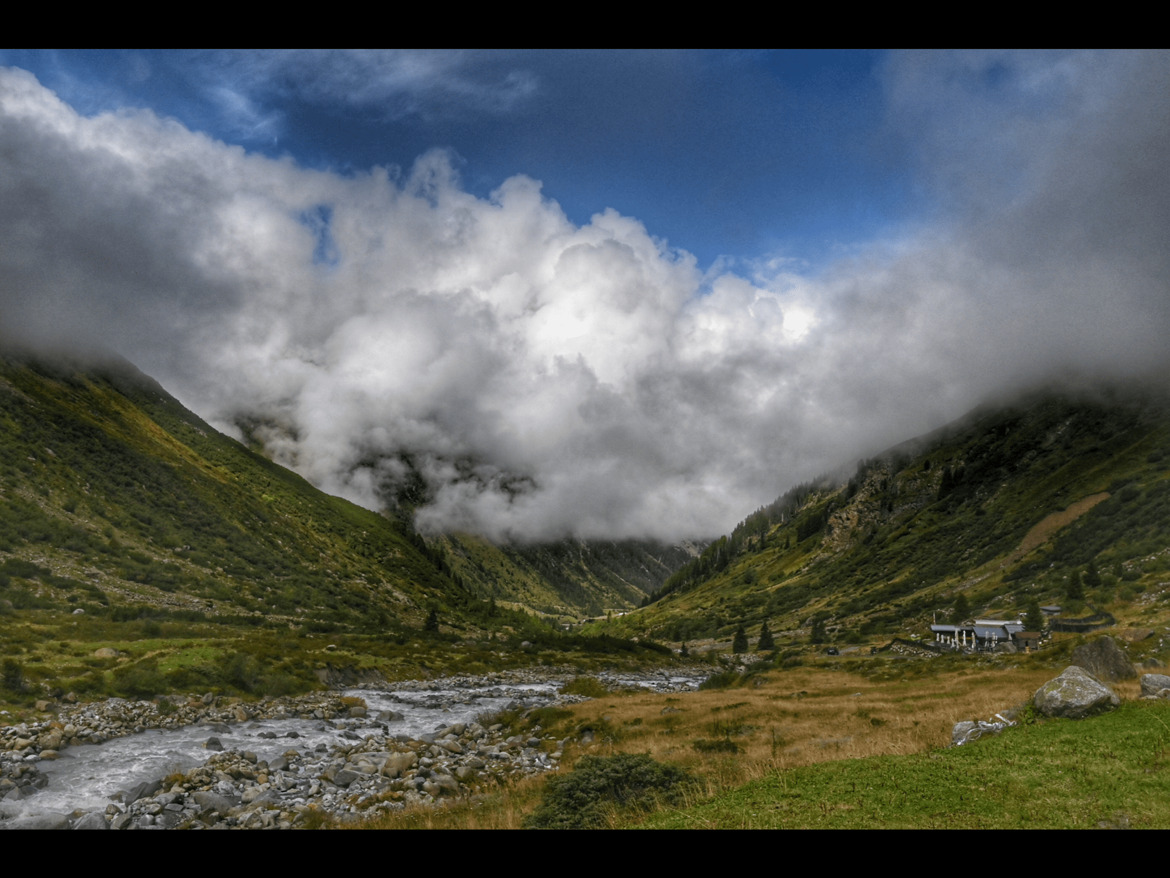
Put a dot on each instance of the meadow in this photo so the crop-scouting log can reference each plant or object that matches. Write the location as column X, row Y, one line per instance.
column 823, row 747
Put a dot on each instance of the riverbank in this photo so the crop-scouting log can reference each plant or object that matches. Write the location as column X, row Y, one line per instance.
column 369, row 767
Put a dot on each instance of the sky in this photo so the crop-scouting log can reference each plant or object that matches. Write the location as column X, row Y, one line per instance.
column 590, row 294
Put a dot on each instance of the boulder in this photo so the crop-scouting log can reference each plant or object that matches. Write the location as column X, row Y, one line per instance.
column 1104, row 659
column 1075, row 694
column 1155, row 686
column 92, row 820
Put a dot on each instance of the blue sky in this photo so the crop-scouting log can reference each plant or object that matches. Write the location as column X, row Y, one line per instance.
column 734, row 154
column 600, row 294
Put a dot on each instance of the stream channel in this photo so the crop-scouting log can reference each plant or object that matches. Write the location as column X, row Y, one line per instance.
column 87, row 778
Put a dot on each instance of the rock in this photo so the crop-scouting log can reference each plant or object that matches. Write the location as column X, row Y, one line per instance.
column 346, row 776
column 1104, row 659
column 1155, row 686
column 141, row 791
column 1134, row 635
column 120, row 821
column 212, row 801
column 39, row 821
column 1075, row 694
column 92, row 820
column 399, row 763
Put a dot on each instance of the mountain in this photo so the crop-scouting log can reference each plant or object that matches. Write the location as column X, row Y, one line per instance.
column 1028, row 499
column 564, row 579
column 114, row 495
column 142, row 551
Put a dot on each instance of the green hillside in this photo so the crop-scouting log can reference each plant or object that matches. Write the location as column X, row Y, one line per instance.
column 128, row 498
column 564, row 580
column 141, row 551
column 1058, row 497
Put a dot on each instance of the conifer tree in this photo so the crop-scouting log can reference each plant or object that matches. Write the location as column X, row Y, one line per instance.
column 740, row 642
column 766, row 639
column 818, row 635
column 1034, row 620
column 1092, row 577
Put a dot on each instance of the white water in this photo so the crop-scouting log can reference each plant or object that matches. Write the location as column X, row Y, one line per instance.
column 86, row 777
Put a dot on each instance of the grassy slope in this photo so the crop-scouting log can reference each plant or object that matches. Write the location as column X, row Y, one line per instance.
column 565, row 580
column 1108, row 771
column 881, row 554
column 128, row 524
column 109, row 480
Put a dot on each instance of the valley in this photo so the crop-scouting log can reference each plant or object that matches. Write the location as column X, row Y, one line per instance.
column 143, row 555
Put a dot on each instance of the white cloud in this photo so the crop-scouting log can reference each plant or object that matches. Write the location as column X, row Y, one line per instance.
column 548, row 378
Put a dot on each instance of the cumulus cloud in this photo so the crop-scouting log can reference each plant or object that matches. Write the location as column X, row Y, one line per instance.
column 546, row 378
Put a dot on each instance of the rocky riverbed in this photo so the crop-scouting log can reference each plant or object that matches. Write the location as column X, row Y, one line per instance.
column 287, row 762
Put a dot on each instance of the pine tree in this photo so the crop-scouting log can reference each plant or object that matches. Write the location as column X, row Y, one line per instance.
column 1034, row 620
column 1075, row 591
column 740, row 642
column 1092, row 577
column 432, row 623
column 766, row 639
column 818, row 635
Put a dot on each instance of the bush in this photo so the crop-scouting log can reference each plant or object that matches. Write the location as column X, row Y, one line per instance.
column 590, row 687
column 721, row 680
column 602, row 784
column 12, row 676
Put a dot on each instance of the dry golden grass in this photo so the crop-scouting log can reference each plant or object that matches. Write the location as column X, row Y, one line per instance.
column 500, row 809
column 806, row 715
column 780, row 720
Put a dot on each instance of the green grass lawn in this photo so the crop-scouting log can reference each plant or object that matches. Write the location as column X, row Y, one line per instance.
column 1109, row 771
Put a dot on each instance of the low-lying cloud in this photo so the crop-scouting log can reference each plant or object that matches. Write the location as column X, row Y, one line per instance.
column 547, row 378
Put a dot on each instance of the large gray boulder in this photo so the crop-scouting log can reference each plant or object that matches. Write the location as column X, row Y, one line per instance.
column 1104, row 659
column 1155, row 686
column 1075, row 694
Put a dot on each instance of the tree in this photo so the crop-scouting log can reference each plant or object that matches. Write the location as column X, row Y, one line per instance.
column 1075, row 591
column 1034, row 620
column 432, row 623
column 740, row 642
column 818, row 635
column 766, row 639
column 1092, row 577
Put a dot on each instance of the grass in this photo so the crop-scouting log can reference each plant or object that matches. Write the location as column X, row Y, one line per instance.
column 1110, row 771
column 776, row 748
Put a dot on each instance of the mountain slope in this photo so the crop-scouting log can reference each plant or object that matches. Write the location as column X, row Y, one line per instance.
column 1002, row 506
column 125, row 497
column 565, row 579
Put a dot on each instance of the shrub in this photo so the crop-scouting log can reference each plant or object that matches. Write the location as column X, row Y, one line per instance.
column 12, row 675
column 721, row 680
column 590, row 687
column 601, row 784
